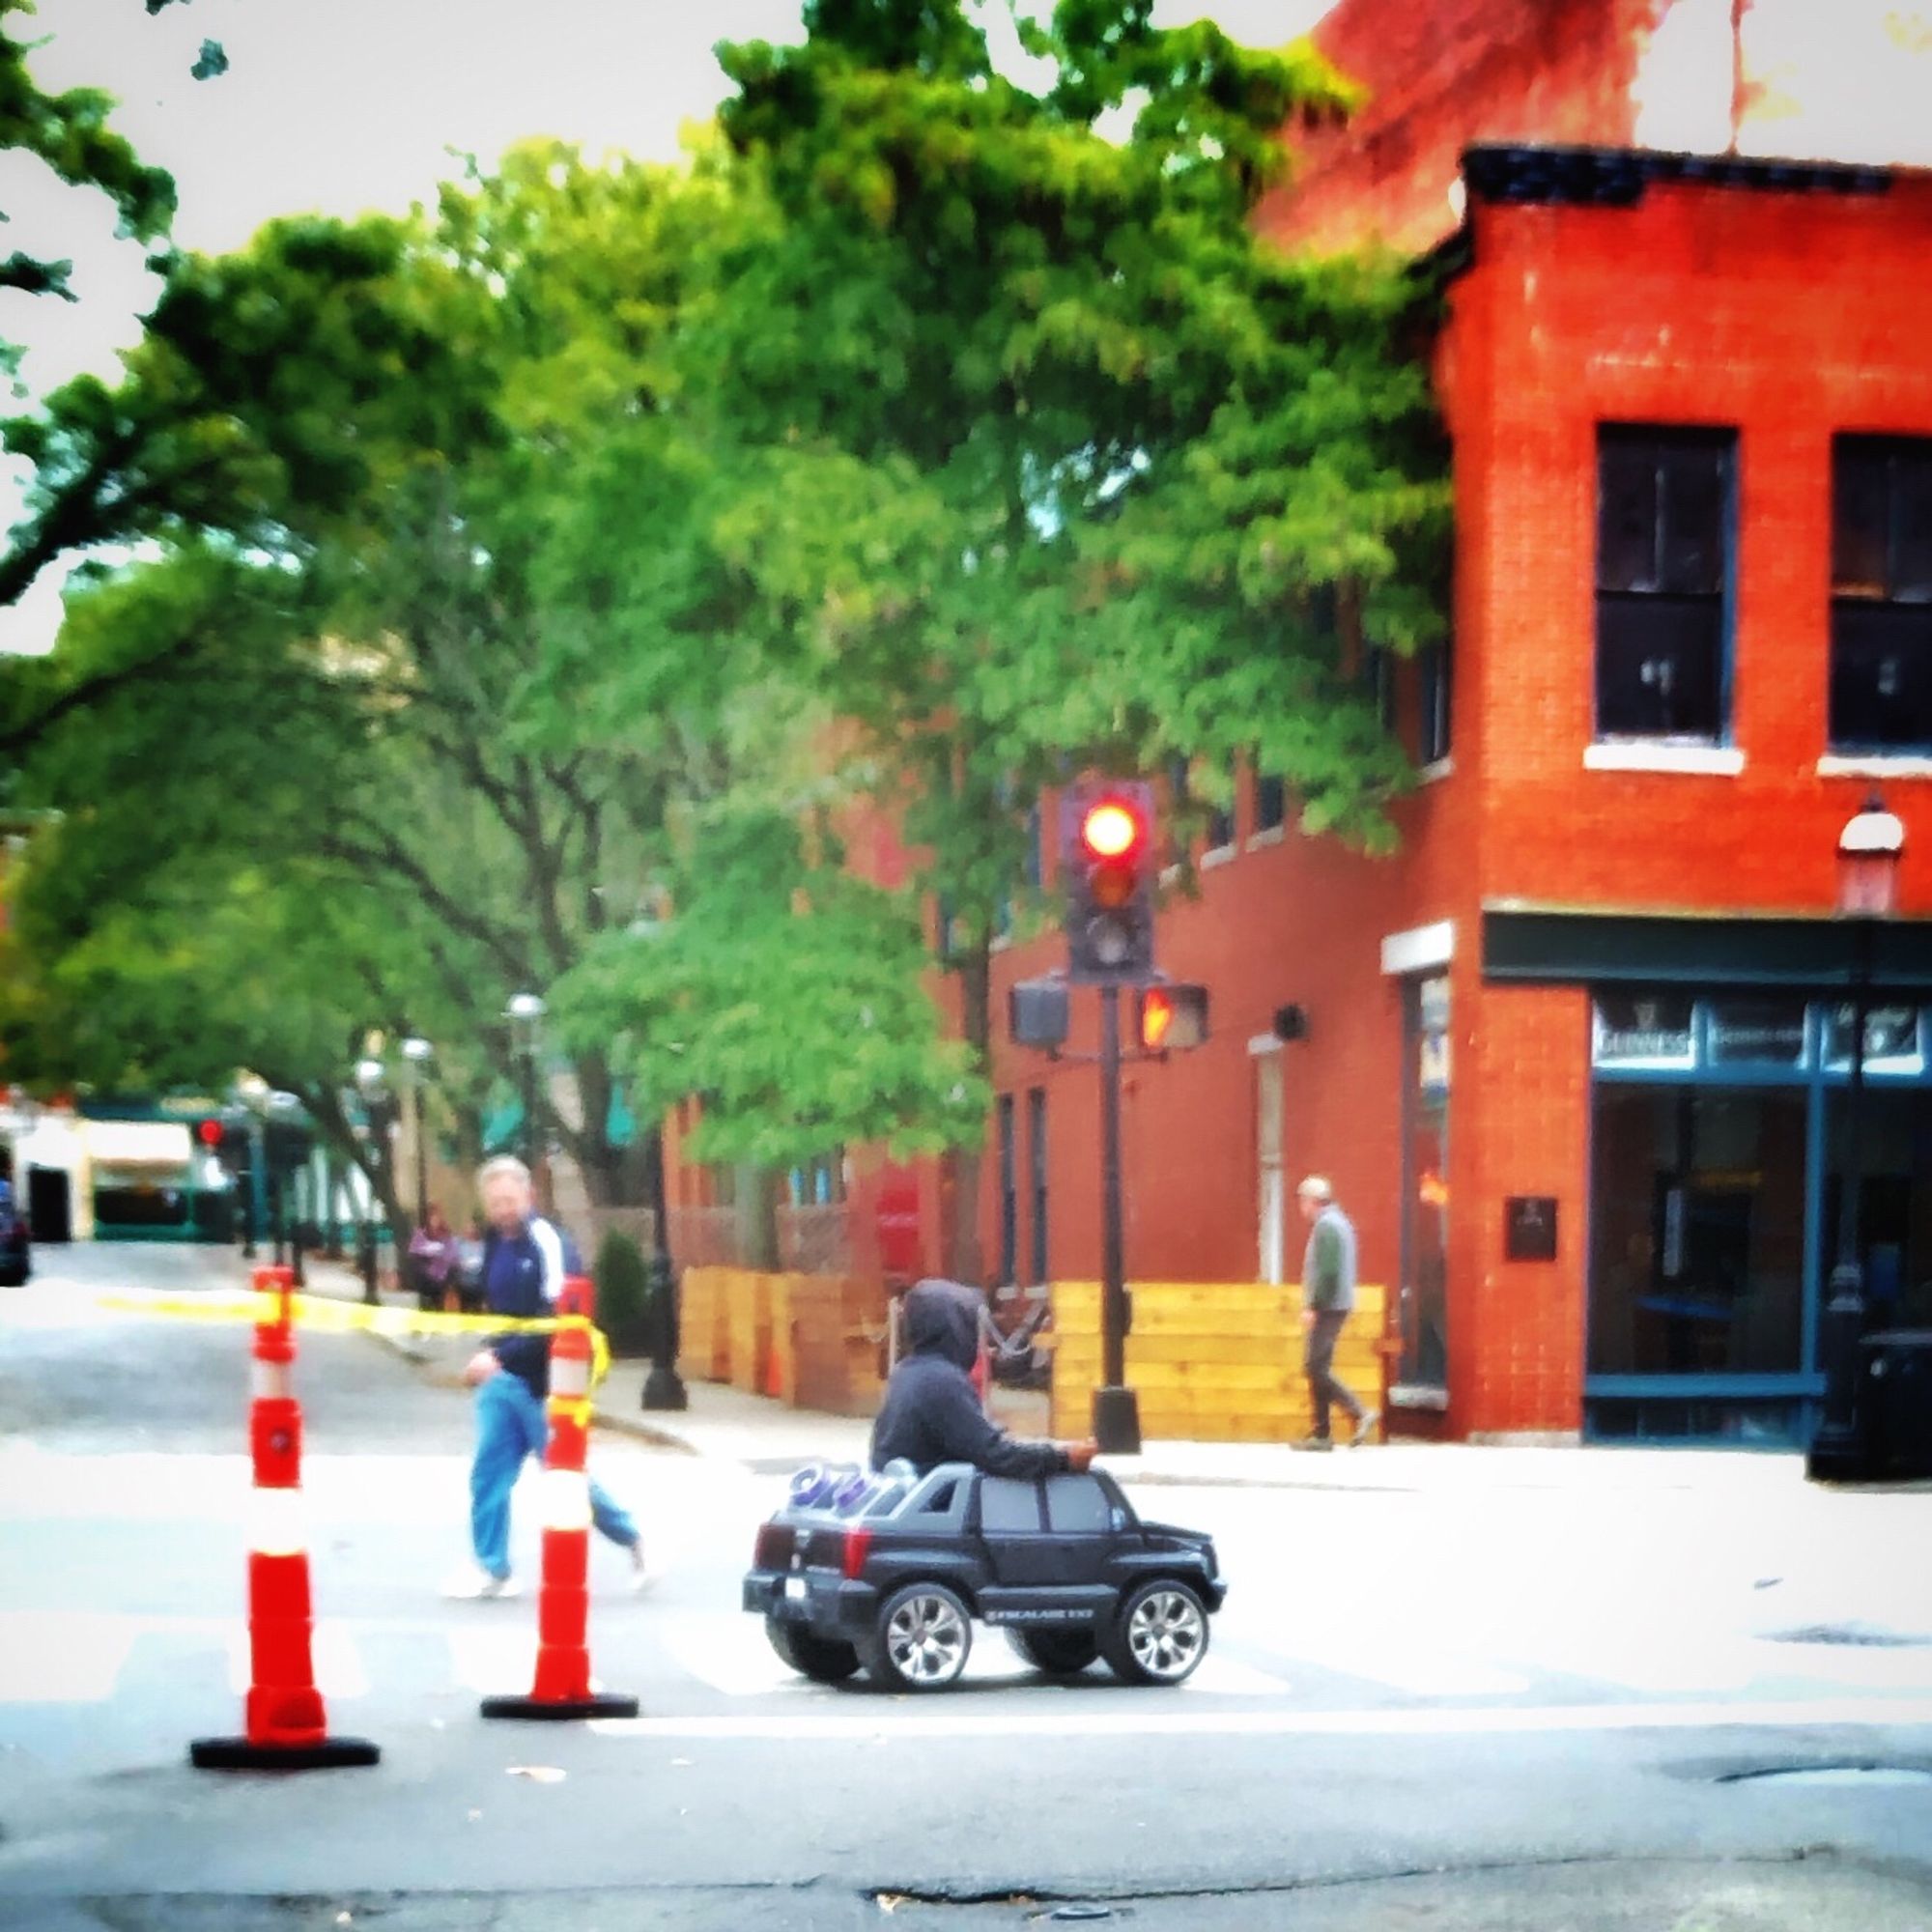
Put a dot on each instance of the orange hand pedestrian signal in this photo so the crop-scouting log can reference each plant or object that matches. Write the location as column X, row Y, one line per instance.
column 1174, row 1017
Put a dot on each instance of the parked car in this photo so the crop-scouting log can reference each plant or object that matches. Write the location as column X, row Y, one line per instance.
column 16, row 1261
column 888, row 1574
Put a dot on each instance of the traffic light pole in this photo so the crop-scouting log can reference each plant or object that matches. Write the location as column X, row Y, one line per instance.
column 1117, row 1418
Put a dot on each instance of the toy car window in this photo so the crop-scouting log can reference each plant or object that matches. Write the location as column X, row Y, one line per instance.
column 939, row 1502
column 1076, row 1505
column 1007, row 1505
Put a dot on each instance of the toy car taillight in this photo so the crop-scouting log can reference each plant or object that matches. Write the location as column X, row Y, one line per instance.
column 858, row 1547
column 773, row 1551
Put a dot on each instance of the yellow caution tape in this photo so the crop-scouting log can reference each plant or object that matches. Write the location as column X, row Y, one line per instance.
column 324, row 1314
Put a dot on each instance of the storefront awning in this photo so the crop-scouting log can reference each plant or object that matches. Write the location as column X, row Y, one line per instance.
column 1557, row 946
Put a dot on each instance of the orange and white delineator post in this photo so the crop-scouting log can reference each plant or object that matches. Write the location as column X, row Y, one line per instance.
column 563, row 1687
column 285, row 1725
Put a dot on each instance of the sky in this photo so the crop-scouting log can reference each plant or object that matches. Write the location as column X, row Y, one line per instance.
column 342, row 105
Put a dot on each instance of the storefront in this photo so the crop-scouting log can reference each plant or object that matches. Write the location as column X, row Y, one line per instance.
column 1718, row 1133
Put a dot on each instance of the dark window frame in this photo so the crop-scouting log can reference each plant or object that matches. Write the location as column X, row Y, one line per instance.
column 1883, row 611
column 1008, row 1186
column 1037, row 1172
column 1270, row 802
column 1664, row 569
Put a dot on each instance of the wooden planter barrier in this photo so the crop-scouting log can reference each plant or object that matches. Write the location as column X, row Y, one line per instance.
column 704, row 1351
column 1212, row 1362
column 808, row 1340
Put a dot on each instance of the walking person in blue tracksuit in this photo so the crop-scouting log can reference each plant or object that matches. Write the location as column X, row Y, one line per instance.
column 523, row 1276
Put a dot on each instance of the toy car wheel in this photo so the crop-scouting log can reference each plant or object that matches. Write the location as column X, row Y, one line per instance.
column 825, row 1660
column 1159, row 1636
column 1060, row 1653
column 921, row 1640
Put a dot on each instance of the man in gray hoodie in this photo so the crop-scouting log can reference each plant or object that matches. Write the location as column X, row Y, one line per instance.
column 1329, row 1298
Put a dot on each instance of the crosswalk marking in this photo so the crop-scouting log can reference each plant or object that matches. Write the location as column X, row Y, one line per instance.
column 64, row 1656
column 49, row 1657
column 491, row 1661
column 1156, row 1714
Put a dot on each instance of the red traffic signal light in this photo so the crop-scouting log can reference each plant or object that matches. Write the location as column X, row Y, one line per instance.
column 1174, row 1017
column 1108, row 848
column 208, row 1133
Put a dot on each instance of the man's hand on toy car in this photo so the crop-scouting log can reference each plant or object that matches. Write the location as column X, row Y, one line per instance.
column 1080, row 1454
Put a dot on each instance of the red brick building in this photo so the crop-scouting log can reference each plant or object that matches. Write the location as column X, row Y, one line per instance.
column 1599, row 993
column 1692, row 410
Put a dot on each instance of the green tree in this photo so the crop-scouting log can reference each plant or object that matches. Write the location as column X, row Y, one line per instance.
column 353, row 682
column 1037, row 459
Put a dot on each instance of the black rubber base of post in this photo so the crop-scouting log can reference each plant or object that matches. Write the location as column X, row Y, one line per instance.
column 239, row 1754
column 664, row 1389
column 600, row 1704
column 1116, row 1421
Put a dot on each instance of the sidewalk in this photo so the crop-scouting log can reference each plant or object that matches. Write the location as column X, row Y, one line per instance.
column 728, row 1425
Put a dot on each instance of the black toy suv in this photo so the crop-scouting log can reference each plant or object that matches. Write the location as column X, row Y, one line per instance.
column 887, row 1573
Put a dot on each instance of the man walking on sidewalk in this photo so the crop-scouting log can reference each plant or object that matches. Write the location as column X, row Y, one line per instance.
column 1328, row 1297
column 523, row 1277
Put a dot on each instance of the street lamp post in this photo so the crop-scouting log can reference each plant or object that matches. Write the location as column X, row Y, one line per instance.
column 1870, row 850
column 416, row 1054
column 663, row 1386
column 371, row 1084
column 525, row 1012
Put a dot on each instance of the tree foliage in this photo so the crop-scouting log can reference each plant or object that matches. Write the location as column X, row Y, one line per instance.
column 535, row 591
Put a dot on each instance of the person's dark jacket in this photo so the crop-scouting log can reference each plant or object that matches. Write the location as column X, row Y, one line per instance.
column 932, row 1413
column 513, row 1283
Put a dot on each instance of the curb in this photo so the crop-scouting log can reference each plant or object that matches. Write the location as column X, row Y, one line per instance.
column 644, row 1432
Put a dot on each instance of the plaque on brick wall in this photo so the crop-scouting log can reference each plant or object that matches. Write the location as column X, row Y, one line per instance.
column 1529, row 1227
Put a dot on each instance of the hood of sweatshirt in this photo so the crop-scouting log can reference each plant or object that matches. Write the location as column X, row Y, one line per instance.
column 942, row 1318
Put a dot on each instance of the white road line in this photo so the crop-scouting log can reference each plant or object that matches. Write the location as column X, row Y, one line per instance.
column 62, row 1657
column 493, row 1661
column 1402, row 1665
column 728, row 1653
column 895, row 1721
column 333, row 1651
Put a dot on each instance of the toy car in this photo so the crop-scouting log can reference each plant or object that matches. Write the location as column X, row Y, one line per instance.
column 887, row 1573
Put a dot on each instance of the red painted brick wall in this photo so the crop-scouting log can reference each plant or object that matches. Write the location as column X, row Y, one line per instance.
column 1440, row 75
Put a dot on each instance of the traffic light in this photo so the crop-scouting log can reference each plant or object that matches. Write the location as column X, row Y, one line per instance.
column 1108, row 858
column 1174, row 1017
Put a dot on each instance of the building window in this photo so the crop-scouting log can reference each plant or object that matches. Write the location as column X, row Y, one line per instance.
column 1880, row 593
column 1180, row 800
column 1664, row 542
column 1431, row 686
column 1271, row 802
column 1009, row 1158
column 1221, row 818
column 1037, row 1172
column 1033, row 869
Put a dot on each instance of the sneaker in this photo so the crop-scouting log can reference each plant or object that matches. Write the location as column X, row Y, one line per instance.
column 642, row 1576
column 473, row 1583
column 1318, row 1443
column 1365, row 1428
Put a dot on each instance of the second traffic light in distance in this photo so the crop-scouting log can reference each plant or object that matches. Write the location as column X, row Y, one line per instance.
column 1107, row 853
column 1173, row 1017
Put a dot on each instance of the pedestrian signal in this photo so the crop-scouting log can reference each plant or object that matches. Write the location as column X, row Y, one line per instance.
column 1172, row 1018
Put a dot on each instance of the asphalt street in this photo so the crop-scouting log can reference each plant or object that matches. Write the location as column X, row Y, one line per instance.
column 1542, row 1710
